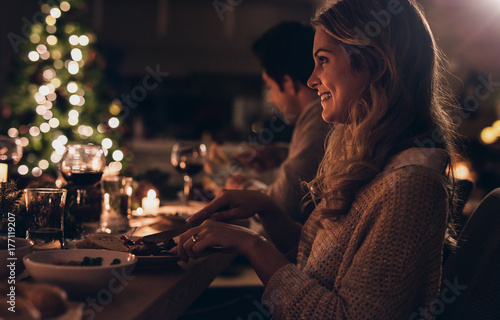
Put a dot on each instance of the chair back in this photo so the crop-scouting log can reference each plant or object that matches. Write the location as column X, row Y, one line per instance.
column 470, row 287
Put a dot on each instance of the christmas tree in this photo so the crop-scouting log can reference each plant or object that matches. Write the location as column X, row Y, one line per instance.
column 57, row 94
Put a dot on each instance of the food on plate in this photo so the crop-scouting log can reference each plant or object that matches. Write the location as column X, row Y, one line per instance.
column 50, row 300
column 86, row 262
column 102, row 241
column 123, row 243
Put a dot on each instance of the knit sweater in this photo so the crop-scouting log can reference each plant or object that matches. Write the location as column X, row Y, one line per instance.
column 382, row 260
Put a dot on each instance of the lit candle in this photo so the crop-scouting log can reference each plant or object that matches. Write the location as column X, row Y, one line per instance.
column 151, row 204
column 3, row 172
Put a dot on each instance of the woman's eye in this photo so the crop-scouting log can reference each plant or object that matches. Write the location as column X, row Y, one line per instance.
column 322, row 60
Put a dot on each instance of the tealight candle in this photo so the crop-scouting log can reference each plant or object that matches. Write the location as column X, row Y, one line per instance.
column 3, row 172
column 151, row 204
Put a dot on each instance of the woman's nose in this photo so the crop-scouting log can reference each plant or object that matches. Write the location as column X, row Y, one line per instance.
column 313, row 81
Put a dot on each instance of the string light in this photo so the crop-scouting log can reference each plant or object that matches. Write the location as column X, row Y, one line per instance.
column 73, row 40
column 33, row 56
column 83, row 40
column 64, row 6
column 13, row 132
column 67, row 53
column 114, row 122
column 55, row 12
column 52, row 40
column 73, row 67
column 106, row 143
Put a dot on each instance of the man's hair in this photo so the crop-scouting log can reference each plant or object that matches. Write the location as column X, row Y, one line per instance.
column 286, row 49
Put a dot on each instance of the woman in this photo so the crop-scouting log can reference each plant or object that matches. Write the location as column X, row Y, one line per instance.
column 372, row 248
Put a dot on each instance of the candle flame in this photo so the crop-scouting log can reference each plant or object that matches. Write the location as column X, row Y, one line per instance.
column 151, row 194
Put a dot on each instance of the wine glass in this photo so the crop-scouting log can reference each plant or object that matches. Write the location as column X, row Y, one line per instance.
column 188, row 158
column 11, row 152
column 82, row 164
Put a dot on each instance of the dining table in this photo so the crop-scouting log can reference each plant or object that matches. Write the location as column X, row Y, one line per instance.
column 161, row 293
column 162, row 290
column 158, row 287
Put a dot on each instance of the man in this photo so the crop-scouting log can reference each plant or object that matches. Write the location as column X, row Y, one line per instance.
column 285, row 56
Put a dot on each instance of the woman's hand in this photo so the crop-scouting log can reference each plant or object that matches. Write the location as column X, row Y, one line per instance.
column 194, row 242
column 236, row 204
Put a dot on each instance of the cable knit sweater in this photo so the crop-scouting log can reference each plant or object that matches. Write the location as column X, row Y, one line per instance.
column 382, row 260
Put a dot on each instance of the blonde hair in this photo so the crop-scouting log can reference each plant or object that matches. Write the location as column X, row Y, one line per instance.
column 402, row 104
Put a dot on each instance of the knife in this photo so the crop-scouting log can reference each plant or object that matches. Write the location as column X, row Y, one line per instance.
column 171, row 233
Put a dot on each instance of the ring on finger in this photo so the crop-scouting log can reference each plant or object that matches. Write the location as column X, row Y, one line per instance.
column 195, row 238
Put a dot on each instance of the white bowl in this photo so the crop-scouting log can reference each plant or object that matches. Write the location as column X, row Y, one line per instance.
column 22, row 248
column 81, row 280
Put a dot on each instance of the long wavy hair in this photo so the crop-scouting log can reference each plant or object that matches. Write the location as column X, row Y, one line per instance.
column 403, row 102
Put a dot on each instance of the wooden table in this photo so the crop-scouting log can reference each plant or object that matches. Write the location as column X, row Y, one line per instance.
column 158, row 294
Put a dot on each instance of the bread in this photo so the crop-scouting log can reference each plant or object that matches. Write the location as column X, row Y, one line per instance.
column 50, row 300
column 102, row 241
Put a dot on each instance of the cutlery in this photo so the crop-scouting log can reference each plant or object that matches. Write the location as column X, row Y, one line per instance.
column 164, row 236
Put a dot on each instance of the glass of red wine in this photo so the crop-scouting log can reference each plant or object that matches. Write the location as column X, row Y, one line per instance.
column 83, row 165
column 11, row 152
column 188, row 158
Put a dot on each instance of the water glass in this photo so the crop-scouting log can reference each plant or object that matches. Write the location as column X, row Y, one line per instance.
column 116, row 202
column 45, row 212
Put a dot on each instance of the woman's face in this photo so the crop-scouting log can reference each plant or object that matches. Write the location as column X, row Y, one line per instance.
column 336, row 83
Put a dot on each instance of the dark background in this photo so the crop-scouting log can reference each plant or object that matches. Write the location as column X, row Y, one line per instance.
column 214, row 85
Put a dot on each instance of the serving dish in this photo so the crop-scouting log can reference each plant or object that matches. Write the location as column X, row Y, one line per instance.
column 81, row 280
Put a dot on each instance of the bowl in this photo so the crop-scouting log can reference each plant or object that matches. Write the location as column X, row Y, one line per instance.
column 20, row 247
column 82, row 280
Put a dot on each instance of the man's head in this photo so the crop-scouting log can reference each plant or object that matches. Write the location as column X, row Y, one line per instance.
column 284, row 53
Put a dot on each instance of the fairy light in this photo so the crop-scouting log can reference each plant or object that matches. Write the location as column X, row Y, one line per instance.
column 76, row 54
column 45, row 55
column 117, row 155
column 13, row 132
column 73, row 67
column 55, row 158
column 72, row 87
column 34, row 38
column 40, row 109
column 33, row 56
column 83, row 40
column 43, row 164
column 51, row 29
column 52, row 40
column 73, row 40
column 55, row 12
column 52, row 96
column 73, row 114
column 74, row 99
column 55, row 54
column 65, row 6
column 54, row 122
column 73, row 121
column 62, row 139
column 115, row 166
column 47, row 104
column 23, row 170
column 55, row 82
column 50, row 20
column 48, row 115
column 49, row 74
column 58, row 64
column 114, row 122
column 106, row 143
column 34, row 131
column 36, row 172
column 45, row 127
column 488, row 135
